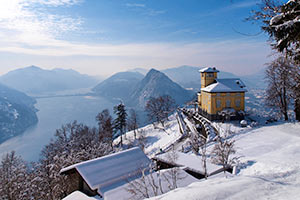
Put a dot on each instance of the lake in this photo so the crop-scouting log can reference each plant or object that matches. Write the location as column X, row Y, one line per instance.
column 53, row 113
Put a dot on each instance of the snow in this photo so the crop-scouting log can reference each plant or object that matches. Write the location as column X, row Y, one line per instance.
column 190, row 161
column 108, row 170
column 157, row 138
column 208, row 69
column 226, row 85
column 269, row 168
column 121, row 193
column 79, row 196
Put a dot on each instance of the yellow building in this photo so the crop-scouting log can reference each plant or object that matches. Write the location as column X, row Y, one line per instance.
column 220, row 98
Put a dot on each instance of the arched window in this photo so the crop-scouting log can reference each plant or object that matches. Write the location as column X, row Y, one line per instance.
column 218, row 103
column 228, row 103
column 238, row 103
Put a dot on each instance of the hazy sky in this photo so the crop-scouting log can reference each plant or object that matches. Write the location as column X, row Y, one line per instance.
column 100, row 37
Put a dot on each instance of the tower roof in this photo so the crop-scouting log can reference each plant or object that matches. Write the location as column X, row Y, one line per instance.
column 208, row 69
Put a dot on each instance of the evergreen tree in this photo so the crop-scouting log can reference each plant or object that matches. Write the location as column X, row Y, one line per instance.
column 281, row 22
column 120, row 121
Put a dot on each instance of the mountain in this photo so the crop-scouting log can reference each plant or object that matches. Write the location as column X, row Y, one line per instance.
column 156, row 84
column 17, row 112
column 119, row 85
column 34, row 80
column 139, row 70
column 189, row 76
column 256, row 80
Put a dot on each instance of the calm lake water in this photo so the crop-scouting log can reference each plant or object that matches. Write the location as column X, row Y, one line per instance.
column 53, row 113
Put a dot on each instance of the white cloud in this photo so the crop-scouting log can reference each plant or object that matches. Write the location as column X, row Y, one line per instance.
column 240, row 56
column 135, row 5
column 31, row 33
column 25, row 21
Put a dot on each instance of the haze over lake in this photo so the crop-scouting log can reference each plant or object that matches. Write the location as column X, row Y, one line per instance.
column 53, row 113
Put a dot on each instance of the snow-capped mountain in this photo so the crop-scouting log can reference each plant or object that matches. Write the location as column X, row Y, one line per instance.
column 34, row 80
column 17, row 112
column 119, row 85
column 156, row 84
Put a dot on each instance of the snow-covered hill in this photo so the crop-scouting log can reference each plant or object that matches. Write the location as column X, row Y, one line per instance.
column 17, row 112
column 269, row 168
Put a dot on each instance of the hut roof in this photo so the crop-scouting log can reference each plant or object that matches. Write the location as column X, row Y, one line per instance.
column 110, row 169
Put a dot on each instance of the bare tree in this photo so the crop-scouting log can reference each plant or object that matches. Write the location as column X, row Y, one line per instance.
column 280, row 20
column 132, row 122
column 223, row 151
column 173, row 175
column 158, row 109
column 295, row 90
column 13, row 178
column 156, row 183
column 73, row 143
column 142, row 139
column 104, row 120
column 278, row 76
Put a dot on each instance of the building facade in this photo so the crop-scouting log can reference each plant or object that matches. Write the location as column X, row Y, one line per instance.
column 220, row 98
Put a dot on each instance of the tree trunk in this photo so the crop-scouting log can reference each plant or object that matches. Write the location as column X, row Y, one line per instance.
column 297, row 109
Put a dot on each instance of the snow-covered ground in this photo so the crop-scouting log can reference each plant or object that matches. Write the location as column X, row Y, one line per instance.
column 269, row 162
column 156, row 138
column 269, row 168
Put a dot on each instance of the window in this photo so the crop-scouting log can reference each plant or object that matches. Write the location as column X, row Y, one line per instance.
column 218, row 94
column 210, row 75
column 218, row 103
column 228, row 94
column 238, row 94
column 228, row 103
column 238, row 103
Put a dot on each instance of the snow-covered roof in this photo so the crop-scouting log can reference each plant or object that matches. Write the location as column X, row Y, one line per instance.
column 226, row 85
column 107, row 170
column 77, row 195
column 190, row 162
column 208, row 69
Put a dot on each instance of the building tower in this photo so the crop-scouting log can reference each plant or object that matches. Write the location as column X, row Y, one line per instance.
column 208, row 76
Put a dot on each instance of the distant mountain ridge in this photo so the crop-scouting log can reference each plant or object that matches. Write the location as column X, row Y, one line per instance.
column 17, row 112
column 119, row 85
column 156, row 84
column 35, row 80
column 189, row 77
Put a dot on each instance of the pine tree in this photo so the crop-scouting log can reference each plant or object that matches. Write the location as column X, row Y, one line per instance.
column 120, row 121
column 281, row 22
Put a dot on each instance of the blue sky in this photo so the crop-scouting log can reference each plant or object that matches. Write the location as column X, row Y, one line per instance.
column 101, row 37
